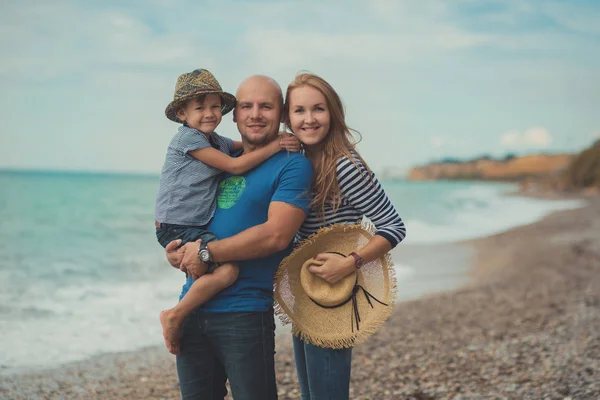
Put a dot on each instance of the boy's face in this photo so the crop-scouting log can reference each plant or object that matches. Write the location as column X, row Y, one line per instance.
column 204, row 116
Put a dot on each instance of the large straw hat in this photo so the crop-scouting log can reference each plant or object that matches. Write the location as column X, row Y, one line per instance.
column 336, row 315
column 195, row 83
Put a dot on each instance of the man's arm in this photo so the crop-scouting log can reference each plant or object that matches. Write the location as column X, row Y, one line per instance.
column 262, row 240
column 283, row 222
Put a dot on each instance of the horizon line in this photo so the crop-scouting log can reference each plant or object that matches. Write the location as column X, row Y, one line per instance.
column 42, row 170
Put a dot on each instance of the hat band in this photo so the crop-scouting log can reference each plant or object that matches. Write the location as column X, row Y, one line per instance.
column 355, row 314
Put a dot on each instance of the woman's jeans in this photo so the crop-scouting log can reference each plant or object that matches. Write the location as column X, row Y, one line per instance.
column 323, row 374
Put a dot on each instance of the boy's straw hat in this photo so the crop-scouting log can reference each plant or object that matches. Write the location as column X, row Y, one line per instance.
column 336, row 315
column 192, row 84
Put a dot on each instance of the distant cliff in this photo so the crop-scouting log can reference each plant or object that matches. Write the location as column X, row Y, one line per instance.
column 584, row 170
column 512, row 168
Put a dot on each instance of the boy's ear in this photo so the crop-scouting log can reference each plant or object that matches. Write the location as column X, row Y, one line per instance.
column 180, row 114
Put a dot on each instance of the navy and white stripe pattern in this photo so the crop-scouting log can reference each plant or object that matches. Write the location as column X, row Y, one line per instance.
column 188, row 187
column 361, row 195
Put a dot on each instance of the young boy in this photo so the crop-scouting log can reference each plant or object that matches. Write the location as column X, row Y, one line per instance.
column 186, row 199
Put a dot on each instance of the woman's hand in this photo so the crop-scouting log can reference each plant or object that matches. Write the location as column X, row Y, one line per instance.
column 334, row 268
column 289, row 142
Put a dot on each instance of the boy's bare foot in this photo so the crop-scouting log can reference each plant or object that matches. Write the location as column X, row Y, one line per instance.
column 171, row 330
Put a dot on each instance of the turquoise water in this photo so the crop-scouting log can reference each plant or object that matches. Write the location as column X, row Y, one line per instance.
column 81, row 272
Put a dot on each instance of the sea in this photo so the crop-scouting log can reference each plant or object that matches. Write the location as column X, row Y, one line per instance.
column 81, row 273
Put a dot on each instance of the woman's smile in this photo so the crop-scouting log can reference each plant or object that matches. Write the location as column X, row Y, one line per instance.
column 311, row 129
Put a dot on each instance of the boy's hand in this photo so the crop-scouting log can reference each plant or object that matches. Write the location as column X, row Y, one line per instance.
column 289, row 142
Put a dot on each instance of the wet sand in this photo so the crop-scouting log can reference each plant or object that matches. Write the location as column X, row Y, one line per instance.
column 526, row 325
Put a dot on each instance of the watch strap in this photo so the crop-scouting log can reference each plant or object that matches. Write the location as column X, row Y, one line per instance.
column 358, row 260
column 204, row 249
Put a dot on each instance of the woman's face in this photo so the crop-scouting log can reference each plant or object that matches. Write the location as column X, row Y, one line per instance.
column 309, row 115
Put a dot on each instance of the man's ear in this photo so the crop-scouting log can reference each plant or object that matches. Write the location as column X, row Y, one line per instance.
column 234, row 117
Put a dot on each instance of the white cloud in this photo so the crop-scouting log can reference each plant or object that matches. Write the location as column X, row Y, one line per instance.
column 418, row 15
column 436, row 141
column 404, row 70
column 510, row 138
column 578, row 17
column 405, row 32
column 272, row 47
column 535, row 137
column 59, row 40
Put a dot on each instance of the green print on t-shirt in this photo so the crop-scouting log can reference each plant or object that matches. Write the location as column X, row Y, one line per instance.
column 230, row 191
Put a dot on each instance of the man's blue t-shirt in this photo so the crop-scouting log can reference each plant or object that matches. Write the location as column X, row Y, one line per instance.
column 243, row 202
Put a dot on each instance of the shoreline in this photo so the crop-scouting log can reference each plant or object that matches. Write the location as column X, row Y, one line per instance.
column 533, row 299
column 433, row 268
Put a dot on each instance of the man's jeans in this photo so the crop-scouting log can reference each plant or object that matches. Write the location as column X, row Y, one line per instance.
column 242, row 342
column 323, row 374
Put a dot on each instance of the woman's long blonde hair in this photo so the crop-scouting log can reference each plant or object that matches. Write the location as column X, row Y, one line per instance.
column 339, row 142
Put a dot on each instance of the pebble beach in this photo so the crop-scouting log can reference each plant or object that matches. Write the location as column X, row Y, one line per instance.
column 526, row 326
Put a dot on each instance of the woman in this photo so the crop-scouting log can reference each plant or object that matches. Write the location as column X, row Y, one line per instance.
column 344, row 190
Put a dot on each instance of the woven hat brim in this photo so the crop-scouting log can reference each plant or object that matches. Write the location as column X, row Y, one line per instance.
column 227, row 98
column 333, row 328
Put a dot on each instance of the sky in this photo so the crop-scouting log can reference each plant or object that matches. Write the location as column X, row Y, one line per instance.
column 84, row 85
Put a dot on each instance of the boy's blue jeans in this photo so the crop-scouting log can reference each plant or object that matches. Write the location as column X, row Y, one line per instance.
column 169, row 232
column 241, row 342
column 323, row 374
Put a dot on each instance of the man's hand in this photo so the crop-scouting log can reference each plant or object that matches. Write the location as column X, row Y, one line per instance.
column 174, row 256
column 190, row 261
column 334, row 267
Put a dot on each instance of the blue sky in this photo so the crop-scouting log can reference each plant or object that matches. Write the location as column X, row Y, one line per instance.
column 84, row 84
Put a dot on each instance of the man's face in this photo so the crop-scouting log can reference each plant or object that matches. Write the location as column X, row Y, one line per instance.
column 258, row 111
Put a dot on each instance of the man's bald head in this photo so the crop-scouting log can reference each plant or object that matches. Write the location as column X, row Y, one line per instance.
column 258, row 110
column 260, row 80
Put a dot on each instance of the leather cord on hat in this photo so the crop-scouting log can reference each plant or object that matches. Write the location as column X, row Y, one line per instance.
column 355, row 289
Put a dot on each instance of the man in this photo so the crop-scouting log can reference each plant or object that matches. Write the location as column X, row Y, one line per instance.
column 257, row 217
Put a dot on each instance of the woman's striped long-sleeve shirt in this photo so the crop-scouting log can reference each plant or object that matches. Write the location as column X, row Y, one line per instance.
column 361, row 195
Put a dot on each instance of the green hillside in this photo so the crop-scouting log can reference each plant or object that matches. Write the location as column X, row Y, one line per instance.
column 584, row 170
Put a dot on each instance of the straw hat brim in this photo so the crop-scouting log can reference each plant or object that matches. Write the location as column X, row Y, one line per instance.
column 335, row 327
column 227, row 98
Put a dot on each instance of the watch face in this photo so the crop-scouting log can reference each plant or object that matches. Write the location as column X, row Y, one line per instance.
column 204, row 255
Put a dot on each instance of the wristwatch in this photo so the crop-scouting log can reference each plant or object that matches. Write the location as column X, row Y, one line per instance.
column 204, row 254
column 358, row 260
